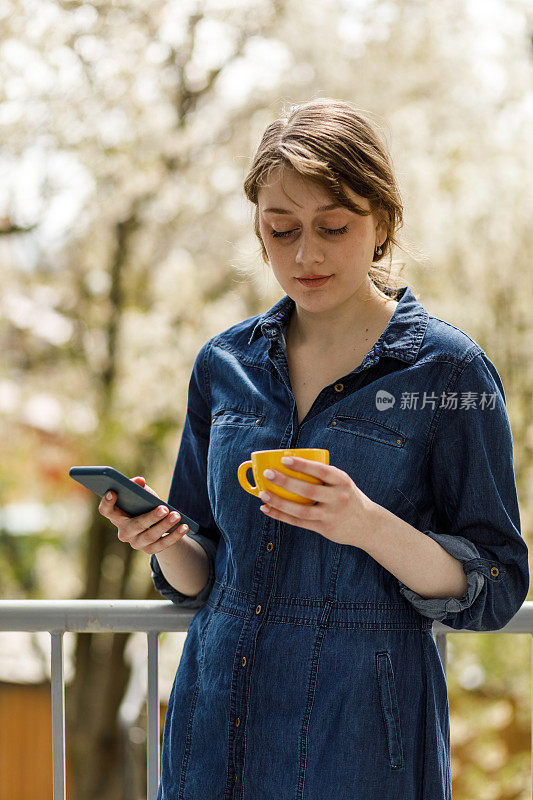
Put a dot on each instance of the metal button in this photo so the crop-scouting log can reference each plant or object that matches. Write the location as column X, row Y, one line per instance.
column 339, row 387
column 334, row 422
column 452, row 605
column 270, row 547
column 494, row 571
column 243, row 661
column 238, row 722
column 398, row 441
column 257, row 422
column 258, row 610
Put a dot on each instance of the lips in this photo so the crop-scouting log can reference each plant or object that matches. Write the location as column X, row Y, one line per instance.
column 319, row 280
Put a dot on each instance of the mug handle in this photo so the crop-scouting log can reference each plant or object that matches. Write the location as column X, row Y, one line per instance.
column 243, row 478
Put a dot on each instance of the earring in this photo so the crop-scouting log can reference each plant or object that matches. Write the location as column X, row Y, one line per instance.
column 378, row 250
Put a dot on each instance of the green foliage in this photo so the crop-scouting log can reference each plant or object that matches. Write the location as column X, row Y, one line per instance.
column 19, row 565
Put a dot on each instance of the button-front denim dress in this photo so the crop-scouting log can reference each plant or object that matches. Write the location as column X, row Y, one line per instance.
column 309, row 671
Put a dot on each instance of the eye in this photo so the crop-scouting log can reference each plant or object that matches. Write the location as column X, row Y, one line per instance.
column 337, row 231
column 277, row 234
column 332, row 231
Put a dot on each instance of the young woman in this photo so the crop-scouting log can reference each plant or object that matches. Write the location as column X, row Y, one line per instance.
column 310, row 670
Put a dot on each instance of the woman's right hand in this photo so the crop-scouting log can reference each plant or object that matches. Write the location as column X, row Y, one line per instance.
column 147, row 532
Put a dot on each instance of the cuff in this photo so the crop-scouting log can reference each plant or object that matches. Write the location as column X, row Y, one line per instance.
column 439, row 607
column 168, row 591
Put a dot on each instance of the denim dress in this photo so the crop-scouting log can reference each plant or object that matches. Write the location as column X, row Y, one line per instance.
column 309, row 671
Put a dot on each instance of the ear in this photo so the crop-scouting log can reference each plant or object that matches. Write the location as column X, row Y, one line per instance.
column 382, row 227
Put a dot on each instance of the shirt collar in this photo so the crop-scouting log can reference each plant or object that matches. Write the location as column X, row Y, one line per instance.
column 401, row 338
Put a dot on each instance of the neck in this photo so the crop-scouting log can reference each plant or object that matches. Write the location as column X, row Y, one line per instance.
column 330, row 328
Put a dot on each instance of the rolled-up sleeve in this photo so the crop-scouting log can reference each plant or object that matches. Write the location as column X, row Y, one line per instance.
column 477, row 517
column 188, row 490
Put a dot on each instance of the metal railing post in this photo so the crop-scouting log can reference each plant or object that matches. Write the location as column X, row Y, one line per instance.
column 152, row 723
column 58, row 716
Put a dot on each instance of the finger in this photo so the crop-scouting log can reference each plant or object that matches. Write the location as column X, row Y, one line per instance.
column 142, row 482
column 166, row 541
column 290, row 507
column 313, row 491
column 160, row 531
column 107, row 508
column 139, row 525
column 326, row 472
column 275, row 513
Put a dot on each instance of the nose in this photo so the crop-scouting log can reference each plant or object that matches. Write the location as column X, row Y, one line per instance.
column 309, row 250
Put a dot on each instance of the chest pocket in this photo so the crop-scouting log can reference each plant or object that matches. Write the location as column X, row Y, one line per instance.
column 233, row 436
column 368, row 429
column 229, row 416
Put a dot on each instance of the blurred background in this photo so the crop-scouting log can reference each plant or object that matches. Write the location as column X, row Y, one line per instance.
column 126, row 242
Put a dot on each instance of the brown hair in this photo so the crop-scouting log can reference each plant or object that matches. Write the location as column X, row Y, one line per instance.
column 331, row 142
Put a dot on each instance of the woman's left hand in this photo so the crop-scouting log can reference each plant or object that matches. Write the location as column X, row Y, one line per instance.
column 341, row 513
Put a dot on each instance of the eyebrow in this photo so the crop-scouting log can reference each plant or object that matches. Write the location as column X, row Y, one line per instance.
column 329, row 207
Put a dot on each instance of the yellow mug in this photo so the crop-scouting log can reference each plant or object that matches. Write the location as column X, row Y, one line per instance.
column 271, row 459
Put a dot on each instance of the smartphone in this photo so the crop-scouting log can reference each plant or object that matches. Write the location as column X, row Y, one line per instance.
column 131, row 497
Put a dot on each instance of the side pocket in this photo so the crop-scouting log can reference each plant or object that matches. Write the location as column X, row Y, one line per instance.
column 389, row 708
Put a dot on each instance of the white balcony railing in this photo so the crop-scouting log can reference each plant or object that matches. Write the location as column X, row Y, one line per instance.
column 151, row 617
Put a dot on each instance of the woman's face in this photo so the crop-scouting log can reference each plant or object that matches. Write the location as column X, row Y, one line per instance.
column 302, row 240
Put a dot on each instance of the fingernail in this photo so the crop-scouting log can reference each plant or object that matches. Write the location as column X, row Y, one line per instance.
column 109, row 496
column 269, row 473
column 161, row 511
column 264, row 495
column 287, row 460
